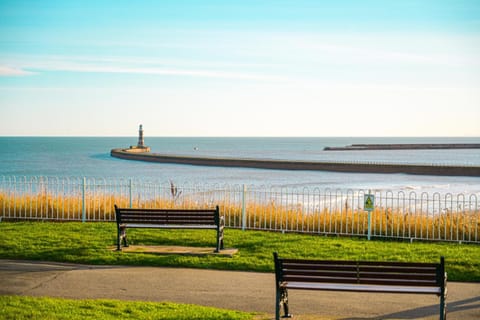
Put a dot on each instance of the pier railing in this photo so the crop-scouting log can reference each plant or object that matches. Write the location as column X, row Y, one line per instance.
column 399, row 214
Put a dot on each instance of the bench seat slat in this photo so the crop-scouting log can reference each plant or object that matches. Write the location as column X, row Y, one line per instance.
column 399, row 269
column 354, row 263
column 156, row 214
column 319, row 273
column 171, row 226
column 312, row 267
column 362, row 288
column 355, row 280
column 135, row 210
column 166, row 221
column 145, row 214
column 350, row 267
column 354, row 274
column 152, row 217
column 173, row 217
column 403, row 276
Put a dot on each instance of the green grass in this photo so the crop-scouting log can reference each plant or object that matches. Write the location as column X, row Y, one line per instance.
column 16, row 307
column 89, row 243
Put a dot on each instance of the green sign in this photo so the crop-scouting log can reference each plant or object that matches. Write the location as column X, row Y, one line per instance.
column 369, row 202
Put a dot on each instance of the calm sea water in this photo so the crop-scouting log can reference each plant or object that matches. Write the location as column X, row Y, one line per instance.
column 90, row 157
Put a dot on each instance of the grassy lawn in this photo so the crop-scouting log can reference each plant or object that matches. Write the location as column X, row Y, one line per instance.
column 15, row 307
column 89, row 243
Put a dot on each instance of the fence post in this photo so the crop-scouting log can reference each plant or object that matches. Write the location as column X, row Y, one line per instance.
column 130, row 191
column 244, row 211
column 369, row 235
column 84, row 205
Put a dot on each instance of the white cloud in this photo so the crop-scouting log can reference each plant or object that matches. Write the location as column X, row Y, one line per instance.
column 167, row 71
column 6, row 71
column 139, row 66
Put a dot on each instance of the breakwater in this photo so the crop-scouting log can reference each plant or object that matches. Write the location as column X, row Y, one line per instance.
column 443, row 170
column 405, row 146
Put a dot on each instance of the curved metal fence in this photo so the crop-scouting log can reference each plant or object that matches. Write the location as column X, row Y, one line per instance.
column 401, row 215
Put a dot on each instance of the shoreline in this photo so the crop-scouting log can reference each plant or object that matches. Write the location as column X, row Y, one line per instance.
column 437, row 170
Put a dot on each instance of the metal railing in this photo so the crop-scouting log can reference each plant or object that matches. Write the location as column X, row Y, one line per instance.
column 412, row 215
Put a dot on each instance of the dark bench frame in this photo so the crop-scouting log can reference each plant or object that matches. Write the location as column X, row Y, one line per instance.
column 168, row 219
column 360, row 276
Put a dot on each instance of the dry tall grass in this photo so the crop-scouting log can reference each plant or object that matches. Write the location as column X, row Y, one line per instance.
column 386, row 222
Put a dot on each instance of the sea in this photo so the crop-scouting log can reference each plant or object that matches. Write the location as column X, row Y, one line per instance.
column 90, row 157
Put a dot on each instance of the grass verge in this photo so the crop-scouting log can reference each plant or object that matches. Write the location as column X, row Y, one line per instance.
column 16, row 307
column 89, row 243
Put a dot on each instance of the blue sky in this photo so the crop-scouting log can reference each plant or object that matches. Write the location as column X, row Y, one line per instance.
column 240, row 68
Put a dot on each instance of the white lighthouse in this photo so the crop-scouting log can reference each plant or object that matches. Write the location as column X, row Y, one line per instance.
column 140, row 147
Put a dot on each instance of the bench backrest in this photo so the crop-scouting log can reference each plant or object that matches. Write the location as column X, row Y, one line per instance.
column 361, row 272
column 168, row 216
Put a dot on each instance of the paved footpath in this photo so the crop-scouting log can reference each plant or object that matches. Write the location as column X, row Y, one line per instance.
column 246, row 291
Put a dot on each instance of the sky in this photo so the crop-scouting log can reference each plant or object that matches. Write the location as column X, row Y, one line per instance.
column 240, row 68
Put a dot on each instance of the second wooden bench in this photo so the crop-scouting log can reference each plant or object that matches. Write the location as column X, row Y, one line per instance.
column 360, row 276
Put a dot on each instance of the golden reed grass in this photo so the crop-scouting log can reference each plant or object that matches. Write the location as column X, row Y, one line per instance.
column 385, row 222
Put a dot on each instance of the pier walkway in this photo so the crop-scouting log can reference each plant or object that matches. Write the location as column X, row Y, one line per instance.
column 422, row 169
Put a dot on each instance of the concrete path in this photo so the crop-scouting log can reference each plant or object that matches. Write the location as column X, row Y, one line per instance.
column 246, row 291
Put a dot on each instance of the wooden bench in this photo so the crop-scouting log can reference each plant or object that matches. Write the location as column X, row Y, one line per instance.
column 360, row 276
column 168, row 219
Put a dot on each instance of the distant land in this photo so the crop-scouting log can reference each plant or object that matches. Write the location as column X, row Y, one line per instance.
column 405, row 146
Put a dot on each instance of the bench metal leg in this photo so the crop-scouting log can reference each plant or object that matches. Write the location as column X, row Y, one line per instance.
column 220, row 245
column 443, row 308
column 221, row 239
column 119, row 239
column 220, row 228
column 124, row 236
column 121, row 235
column 277, row 304
column 282, row 299
column 217, row 248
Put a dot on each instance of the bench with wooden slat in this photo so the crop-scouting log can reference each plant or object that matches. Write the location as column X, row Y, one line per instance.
column 168, row 219
column 359, row 276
